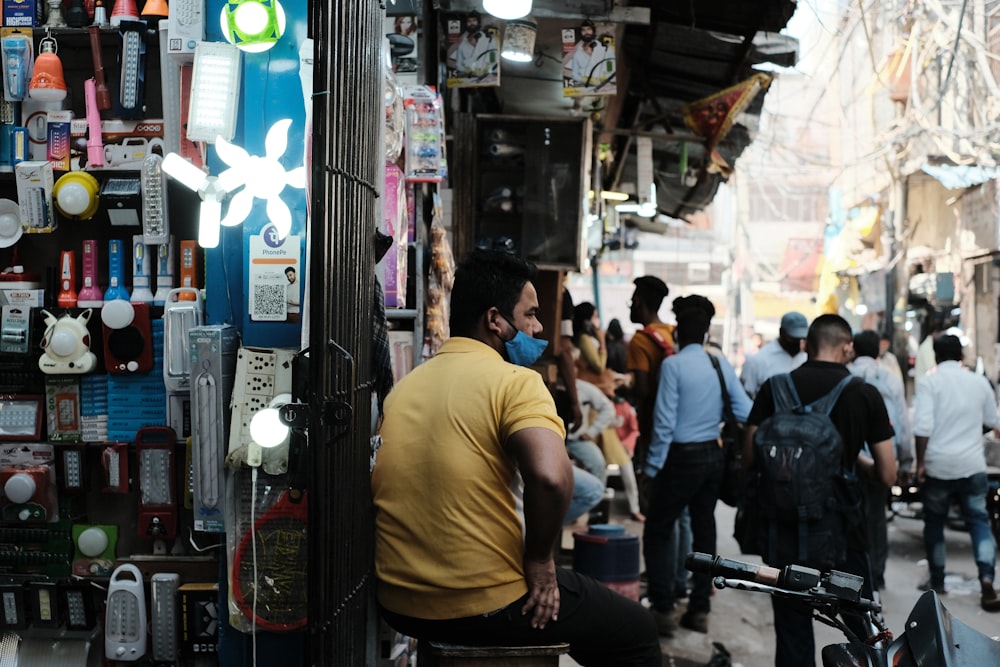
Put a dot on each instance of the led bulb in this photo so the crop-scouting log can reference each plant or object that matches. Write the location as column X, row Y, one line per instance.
column 507, row 9
column 267, row 429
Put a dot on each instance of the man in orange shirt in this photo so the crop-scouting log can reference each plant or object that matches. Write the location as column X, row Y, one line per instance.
column 646, row 351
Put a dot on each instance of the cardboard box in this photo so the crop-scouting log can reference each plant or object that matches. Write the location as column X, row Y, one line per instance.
column 213, row 353
column 199, row 608
column 58, row 138
column 19, row 13
column 25, row 298
column 126, row 142
column 35, row 180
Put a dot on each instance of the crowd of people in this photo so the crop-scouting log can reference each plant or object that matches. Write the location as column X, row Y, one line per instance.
column 484, row 460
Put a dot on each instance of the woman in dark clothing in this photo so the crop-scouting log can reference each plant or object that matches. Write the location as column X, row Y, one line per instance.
column 614, row 341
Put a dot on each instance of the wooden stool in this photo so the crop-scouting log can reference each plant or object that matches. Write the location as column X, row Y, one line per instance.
column 434, row 654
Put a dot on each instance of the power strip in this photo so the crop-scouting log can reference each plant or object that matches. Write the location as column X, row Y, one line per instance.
column 164, row 622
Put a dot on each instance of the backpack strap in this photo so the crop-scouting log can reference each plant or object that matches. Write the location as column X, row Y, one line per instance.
column 825, row 404
column 786, row 399
column 659, row 339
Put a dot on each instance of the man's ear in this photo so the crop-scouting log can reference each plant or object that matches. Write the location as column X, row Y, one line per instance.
column 493, row 322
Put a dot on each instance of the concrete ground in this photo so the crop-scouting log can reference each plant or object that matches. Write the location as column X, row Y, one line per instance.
column 742, row 621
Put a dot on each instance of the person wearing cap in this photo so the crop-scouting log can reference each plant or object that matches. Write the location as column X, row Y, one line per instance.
column 646, row 351
column 685, row 461
column 782, row 355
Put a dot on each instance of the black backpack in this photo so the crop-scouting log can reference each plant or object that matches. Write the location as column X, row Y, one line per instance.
column 807, row 498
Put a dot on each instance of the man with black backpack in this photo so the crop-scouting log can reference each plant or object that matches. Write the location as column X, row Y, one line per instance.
column 806, row 431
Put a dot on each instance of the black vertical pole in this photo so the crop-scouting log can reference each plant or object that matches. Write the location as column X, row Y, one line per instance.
column 346, row 181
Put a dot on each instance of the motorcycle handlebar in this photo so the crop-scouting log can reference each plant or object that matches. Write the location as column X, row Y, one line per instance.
column 793, row 577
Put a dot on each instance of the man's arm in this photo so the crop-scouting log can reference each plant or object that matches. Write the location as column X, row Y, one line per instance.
column 664, row 419
column 884, row 459
column 548, row 486
column 921, row 443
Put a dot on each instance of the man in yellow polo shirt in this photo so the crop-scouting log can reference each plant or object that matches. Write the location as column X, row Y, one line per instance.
column 463, row 435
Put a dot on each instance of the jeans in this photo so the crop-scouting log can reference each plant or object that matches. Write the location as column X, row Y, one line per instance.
column 971, row 495
column 680, row 546
column 590, row 456
column 601, row 627
column 691, row 477
column 587, row 492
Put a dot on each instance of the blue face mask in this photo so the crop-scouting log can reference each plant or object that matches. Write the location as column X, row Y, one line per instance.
column 523, row 349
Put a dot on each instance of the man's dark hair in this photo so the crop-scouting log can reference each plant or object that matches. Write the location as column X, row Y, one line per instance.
column 866, row 344
column 651, row 291
column 486, row 278
column 947, row 348
column 694, row 314
column 827, row 331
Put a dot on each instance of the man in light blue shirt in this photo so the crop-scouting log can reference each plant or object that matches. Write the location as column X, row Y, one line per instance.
column 685, row 461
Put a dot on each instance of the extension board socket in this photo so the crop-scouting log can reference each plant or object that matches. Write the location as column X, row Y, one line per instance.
column 164, row 618
column 125, row 615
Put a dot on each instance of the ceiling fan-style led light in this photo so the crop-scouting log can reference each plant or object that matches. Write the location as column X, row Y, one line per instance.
column 507, row 9
column 215, row 92
column 252, row 25
column 210, row 190
column 519, row 41
column 254, row 176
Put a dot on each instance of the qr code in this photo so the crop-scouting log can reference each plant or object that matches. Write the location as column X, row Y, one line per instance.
column 267, row 303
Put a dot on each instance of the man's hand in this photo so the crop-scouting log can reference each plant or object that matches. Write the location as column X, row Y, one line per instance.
column 921, row 473
column 543, row 592
column 577, row 417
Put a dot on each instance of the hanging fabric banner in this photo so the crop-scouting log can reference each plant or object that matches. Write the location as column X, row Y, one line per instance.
column 713, row 116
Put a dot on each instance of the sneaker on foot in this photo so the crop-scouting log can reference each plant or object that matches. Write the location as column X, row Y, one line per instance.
column 695, row 620
column 665, row 622
column 989, row 600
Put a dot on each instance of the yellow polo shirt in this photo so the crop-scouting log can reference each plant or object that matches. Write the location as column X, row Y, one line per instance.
column 448, row 539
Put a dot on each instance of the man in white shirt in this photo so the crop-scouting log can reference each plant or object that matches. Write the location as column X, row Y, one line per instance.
column 876, row 494
column 952, row 408
column 782, row 355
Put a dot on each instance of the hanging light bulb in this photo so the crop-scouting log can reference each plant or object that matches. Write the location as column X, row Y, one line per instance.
column 47, row 81
column 252, row 25
column 507, row 9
